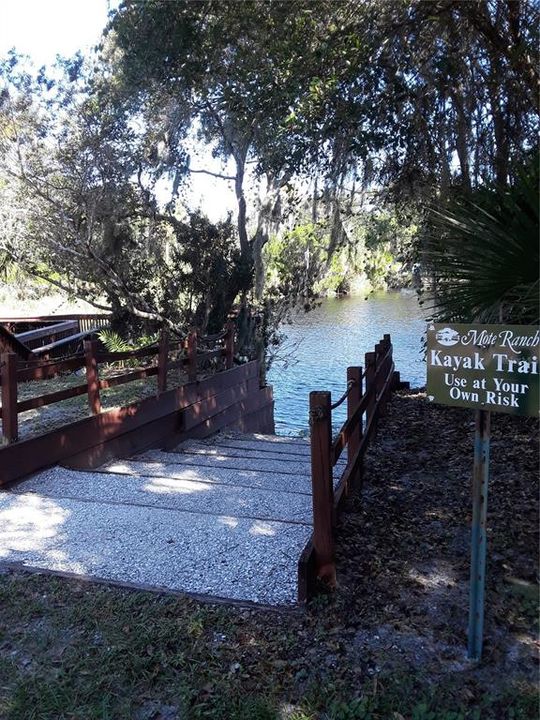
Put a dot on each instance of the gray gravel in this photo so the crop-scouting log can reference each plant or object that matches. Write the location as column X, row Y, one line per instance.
column 224, row 556
column 242, row 478
column 224, row 443
column 184, row 521
column 170, row 493
column 229, row 463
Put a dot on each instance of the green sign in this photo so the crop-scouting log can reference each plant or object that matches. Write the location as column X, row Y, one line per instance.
column 488, row 367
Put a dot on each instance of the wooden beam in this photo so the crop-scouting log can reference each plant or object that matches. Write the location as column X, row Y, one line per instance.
column 90, row 436
column 8, row 362
column 320, row 415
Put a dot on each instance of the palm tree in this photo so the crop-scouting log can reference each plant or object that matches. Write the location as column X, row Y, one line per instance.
column 483, row 256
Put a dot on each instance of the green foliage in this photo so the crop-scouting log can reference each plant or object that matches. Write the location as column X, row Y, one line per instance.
column 294, row 262
column 483, row 254
column 115, row 343
column 361, row 102
column 377, row 254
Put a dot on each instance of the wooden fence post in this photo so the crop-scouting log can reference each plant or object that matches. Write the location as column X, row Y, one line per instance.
column 163, row 361
column 387, row 340
column 92, row 376
column 354, row 374
column 371, row 369
column 229, row 345
column 320, row 418
column 191, row 348
column 10, row 420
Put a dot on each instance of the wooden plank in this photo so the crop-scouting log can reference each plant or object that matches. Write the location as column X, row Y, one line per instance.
column 92, row 377
column 57, row 318
column 8, row 371
column 354, row 376
column 352, row 422
column 307, row 572
column 50, row 398
column 214, row 405
column 351, row 471
column 86, row 435
column 322, row 489
column 128, row 377
column 47, row 331
column 371, row 368
column 163, row 360
column 260, row 420
column 64, row 341
column 260, row 400
column 43, row 371
column 165, row 431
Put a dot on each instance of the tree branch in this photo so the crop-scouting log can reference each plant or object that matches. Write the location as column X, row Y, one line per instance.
column 213, row 174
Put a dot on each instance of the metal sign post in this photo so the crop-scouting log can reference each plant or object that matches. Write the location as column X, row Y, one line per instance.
column 486, row 368
column 478, row 534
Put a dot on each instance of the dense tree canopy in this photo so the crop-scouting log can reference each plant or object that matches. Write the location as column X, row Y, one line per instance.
column 329, row 114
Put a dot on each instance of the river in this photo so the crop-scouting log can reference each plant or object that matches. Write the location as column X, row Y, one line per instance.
column 322, row 343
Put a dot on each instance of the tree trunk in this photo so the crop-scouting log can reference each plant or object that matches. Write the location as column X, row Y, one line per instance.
column 268, row 220
column 241, row 200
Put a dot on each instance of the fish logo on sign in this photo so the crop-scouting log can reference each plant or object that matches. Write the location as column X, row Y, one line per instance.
column 447, row 337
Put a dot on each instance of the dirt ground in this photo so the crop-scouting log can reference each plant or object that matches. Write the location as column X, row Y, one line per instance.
column 404, row 546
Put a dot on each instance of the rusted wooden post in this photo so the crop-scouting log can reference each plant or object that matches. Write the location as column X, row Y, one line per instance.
column 163, row 361
column 191, row 349
column 354, row 375
column 371, row 368
column 92, row 376
column 320, row 419
column 10, row 420
column 229, row 345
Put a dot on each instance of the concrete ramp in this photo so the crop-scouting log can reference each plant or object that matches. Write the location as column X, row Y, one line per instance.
column 226, row 517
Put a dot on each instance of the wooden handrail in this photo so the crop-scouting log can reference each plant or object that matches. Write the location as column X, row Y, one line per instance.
column 64, row 341
column 13, row 370
column 347, row 429
column 46, row 331
column 128, row 377
column 110, row 357
column 354, row 435
column 50, row 398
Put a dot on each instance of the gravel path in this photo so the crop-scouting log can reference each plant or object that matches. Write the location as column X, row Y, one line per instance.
column 222, row 521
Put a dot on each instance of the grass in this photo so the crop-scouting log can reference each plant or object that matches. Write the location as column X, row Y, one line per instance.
column 69, row 649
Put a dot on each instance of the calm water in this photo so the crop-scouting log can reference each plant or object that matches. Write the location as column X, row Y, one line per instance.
column 337, row 334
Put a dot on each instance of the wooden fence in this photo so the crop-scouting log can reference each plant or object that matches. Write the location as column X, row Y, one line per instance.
column 13, row 371
column 228, row 399
column 84, row 322
column 48, row 335
column 367, row 394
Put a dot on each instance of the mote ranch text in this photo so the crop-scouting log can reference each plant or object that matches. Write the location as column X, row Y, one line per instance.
column 490, row 367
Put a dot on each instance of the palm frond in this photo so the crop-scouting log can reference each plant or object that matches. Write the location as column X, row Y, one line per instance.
column 483, row 255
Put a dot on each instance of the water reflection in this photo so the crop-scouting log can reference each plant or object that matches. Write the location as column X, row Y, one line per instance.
column 337, row 334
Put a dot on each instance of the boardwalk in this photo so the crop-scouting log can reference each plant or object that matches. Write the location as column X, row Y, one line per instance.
column 226, row 517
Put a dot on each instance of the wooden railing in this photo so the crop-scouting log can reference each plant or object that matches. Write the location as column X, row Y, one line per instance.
column 84, row 321
column 367, row 394
column 13, row 371
column 50, row 336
